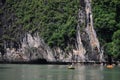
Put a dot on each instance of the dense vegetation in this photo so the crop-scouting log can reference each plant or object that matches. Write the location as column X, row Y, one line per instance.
column 107, row 24
column 56, row 21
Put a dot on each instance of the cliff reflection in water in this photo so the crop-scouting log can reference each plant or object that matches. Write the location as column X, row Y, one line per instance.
column 57, row 72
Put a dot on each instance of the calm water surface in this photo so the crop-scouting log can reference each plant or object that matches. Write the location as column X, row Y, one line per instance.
column 57, row 72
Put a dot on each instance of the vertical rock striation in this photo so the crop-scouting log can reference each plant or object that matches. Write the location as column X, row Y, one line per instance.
column 88, row 44
column 32, row 47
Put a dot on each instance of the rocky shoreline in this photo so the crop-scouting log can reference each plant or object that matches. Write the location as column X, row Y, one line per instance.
column 44, row 62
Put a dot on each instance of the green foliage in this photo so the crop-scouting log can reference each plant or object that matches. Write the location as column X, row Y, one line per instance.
column 107, row 21
column 116, row 44
column 104, row 13
column 55, row 20
column 109, row 48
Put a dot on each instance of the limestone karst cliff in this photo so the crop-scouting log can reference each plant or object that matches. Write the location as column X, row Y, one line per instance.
column 50, row 30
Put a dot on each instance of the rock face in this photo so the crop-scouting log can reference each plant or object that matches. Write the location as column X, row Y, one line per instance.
column 32, row 47
column 88, row 44
column 87, row 47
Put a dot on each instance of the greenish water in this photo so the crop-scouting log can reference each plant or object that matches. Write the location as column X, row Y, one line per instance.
column 57, row 72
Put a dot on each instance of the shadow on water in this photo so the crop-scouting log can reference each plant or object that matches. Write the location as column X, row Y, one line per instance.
column 57, row 72
column 5, row 68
